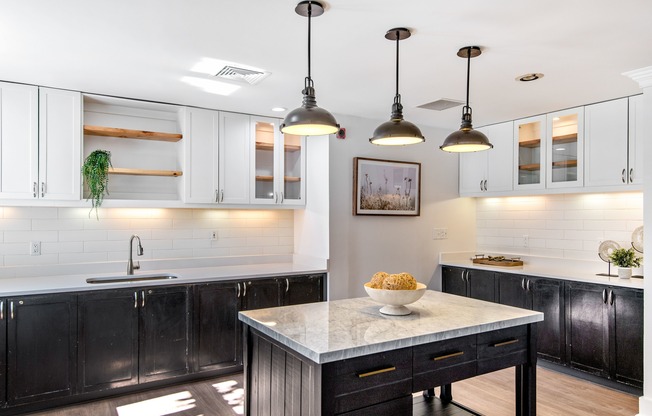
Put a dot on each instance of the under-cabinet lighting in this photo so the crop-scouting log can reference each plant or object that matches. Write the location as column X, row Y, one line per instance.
column 211, row 86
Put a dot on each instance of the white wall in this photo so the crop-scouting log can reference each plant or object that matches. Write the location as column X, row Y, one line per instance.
column 68, row 235
column 363, row 245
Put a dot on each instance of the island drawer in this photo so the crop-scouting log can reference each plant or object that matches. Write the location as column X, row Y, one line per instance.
column 444, row 362
column 505, row 347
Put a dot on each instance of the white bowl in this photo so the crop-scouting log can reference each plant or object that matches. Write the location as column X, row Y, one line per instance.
column 395, row 300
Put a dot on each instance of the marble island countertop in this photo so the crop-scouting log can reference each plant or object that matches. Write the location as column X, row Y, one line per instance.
column 336, row 330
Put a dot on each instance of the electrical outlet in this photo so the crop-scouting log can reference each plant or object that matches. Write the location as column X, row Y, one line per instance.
column 35, row 248
column 525, row 242
column 439, row 233
column 214, row 235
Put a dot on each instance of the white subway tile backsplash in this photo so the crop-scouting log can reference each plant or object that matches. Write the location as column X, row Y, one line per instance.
column 16, row 236
column 15, row 224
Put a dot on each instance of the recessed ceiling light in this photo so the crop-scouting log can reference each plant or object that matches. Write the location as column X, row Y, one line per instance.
column 279, row 109
column 530, row 77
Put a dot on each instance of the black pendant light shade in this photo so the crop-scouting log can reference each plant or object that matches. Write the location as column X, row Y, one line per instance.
column 309, row 120
column 466, row 139
column 397, row 131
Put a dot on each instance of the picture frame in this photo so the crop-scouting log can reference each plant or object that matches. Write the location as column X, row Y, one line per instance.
column 386, row 187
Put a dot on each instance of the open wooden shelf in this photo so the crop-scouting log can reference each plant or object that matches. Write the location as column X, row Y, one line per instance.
column 565, row 164
column 270, row 146
column 530, row 143
column 131, row 134
column 144, row 172
column 267, row 178
column 566, row 138
column 531, row 167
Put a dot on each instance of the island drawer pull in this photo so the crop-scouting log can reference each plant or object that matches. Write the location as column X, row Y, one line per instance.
column 376, row 372
column 504, row 343
column 443, row 357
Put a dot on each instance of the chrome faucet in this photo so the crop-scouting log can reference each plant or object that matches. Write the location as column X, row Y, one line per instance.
column 130, row 263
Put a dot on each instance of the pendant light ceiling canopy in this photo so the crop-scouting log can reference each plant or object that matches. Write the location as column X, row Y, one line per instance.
column 396, row 131
column 466, row 139
column 309, row 120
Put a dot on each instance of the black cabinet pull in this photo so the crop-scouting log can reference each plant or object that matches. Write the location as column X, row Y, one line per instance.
column 443, row 357
column 505, row 343
column 376, row 372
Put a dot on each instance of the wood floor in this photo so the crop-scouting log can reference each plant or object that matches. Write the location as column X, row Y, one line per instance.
column 490, row 395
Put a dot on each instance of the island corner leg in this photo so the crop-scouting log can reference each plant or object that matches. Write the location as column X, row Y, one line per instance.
column 526, row 378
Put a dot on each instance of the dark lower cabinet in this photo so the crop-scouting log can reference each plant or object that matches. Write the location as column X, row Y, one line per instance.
column 108, row 339
column 476, row 284
column 512, row 290
column 303, row 289
column 164, row 349
column 454, row 281
column 626, row 336
column 261, row 293
column 217, row 328
column 3, row 352
column 41, row 347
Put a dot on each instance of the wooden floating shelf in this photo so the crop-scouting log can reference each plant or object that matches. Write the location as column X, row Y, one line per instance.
column 144, row 172
column 270, row 146
column 530, row 143
column 565, row 164
column 267, row 178
column 566, row 138
column 531, row 167
column 131, row 134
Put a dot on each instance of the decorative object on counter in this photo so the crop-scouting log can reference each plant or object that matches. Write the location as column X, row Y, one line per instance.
column 625, row 259
column 396, row 131
column 466, row 139
column 395, row 300
column 386, row 187
column 96, row 176
column 604, row 252
column 637, row 239
column 498, row 261
column 399, row 281
column 309, row 120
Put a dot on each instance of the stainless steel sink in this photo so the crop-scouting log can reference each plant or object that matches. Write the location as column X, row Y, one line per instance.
column 130, row 278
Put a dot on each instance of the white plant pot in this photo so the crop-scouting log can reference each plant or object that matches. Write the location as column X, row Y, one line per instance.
column 624, row 272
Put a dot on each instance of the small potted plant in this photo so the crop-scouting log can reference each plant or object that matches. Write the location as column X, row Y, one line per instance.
column 96, row 176
column 625, row 259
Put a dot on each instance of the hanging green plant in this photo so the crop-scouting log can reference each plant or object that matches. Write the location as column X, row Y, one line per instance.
column 96, row 176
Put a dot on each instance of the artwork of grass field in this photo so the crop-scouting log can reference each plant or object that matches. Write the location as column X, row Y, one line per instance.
column 384, row 188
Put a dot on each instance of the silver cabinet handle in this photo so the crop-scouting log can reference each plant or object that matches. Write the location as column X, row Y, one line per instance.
column 244, row 287
column 35, row 189
column 527, row 286
column 42, row 189
column 238, row 292
column 622, row 175
column 611, row 297
column 11, row 309
column 485, row 185
column 631, row 175
column 135, row 300
column 282, row 197
column 604, row 295
column 481, row 181
column 287, row 285
column 222, row 195
column 217, row 196
column 523, row 284
column 2, row 310
column 142, row 301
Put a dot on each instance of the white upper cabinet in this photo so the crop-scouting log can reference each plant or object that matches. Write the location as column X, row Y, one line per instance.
column 606, row 148
column 40, row 143
column 529, row 153
column 234, row 157
column 201, row 130
column 565, row 148
column 489, row 171
column 637, row 113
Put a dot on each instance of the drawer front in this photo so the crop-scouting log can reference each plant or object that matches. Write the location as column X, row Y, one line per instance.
column 443, row 354
column 502, row 348
column 397, row 407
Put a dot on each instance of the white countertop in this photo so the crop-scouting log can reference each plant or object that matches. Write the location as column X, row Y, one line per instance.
column 564, row 269
column 18, row 286
column 336, row 330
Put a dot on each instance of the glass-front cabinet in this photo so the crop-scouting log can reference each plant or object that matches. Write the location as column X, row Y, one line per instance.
column 529, row 152
column 278, row 164
column 565, row 148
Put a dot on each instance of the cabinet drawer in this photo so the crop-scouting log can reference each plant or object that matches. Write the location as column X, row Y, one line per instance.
column 397, row 407
column 362, row 381
column 444, row 362
column 505, row 347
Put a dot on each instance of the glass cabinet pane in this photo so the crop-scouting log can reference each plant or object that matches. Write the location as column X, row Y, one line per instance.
column 292, row 167
column 564, row 148
column 529, row 152
column 264, row 163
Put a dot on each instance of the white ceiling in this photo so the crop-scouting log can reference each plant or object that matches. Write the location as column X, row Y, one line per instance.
column 143, row 48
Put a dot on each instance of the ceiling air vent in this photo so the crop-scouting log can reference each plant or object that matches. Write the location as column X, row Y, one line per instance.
column 441, row 104
column 249, row 76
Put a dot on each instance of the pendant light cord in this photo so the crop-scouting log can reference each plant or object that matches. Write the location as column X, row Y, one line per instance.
column 309, row 79
column 468, row 72
column 397, row 99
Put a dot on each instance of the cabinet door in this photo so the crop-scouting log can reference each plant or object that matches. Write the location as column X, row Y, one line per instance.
column 530, row 153
column 586, row 327
column 482, row 285
column 42, row 348
column 500, row 159
column 261, row 293
column 60, row 132
column 473, row 172
column 266, row 174
column 453, row 280
column 512, row 290
column 217, row 329
column 108, row 340
column 234, row 158
column 638, row 113
column 605, row 130
column 18, row 141
column 565, row 149
column 626, row 336
column 201, row 155
column 164, row 333
column 3, row 352
column 547, row 296
column 292, row 166
column 302, row 289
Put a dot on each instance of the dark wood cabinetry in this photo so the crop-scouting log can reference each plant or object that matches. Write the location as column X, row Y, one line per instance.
column 41, row 347
column 303, row 289
column 626, row 336
column 261, row 293
column 476, row 284
column 3, row 351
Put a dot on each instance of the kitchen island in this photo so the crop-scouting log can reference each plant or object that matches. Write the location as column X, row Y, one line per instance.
column 344, row 357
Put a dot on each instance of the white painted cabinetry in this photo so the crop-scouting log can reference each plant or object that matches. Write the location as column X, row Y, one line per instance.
column 529, row 153
column 490, row 171
column 234, row 149
column 201, row 129
column 40, row 143
column 636, row 140
column 565, row 148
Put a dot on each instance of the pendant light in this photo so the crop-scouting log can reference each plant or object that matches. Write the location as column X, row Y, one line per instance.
column 309, row 120
column 466, row 139
column 396, row 131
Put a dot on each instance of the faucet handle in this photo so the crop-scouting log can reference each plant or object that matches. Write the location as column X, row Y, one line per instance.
column 137, row 266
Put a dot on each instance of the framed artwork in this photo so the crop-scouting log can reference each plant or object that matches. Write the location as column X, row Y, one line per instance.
column 386, row 187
